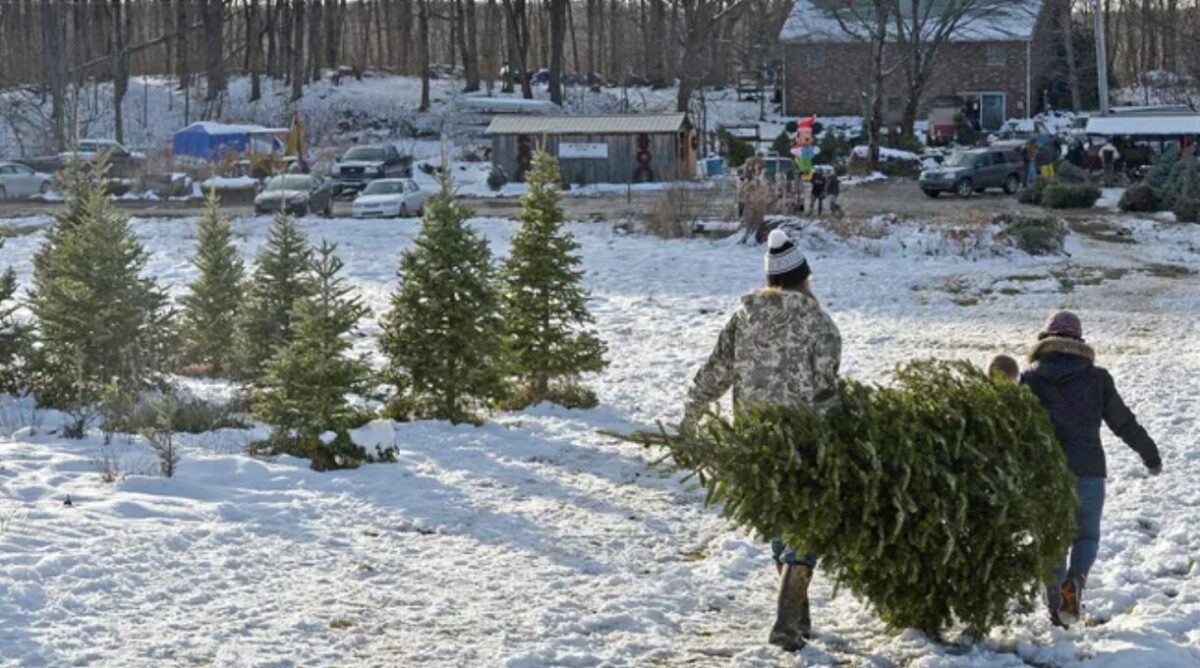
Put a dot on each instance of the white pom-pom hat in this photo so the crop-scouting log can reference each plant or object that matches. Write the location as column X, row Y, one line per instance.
column 784, row 257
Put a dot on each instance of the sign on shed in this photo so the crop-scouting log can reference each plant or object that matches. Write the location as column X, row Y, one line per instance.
column 583, row 150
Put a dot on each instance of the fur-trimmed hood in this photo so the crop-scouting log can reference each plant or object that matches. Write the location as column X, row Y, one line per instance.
column 1058, row 344
column 1060, row 359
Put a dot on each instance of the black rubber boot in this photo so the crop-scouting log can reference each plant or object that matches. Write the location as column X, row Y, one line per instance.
column 793, row 625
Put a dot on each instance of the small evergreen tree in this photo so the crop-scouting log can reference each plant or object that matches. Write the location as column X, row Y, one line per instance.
column 280, row 279
column 1186, row 191
column 442, row 336
column 303, row 392
column 210, row 312
column 100, row 324
column 782, row 144
column 546, row 320
column 14, row 335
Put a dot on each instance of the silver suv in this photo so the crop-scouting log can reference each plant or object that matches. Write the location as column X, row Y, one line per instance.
column 968, row 172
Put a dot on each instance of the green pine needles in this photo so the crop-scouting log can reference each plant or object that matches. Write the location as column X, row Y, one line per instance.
column 303, row 393
column 442, row 336
column 281, row 278
column 209, row 329
column 547, row 327
column 14, row 334
column 100, row 323
column 941, row 499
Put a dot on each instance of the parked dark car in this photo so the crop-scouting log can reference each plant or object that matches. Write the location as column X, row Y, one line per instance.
column 968, row 172
column 296, row 194
column 363, row 164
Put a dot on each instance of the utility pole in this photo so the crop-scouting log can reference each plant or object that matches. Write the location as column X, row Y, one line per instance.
column 1101, row 56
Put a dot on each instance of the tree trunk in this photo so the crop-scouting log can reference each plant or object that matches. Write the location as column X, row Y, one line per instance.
column 213, row 18
column 558, row 26
column 614, row 50
column 656, row 45
column 1068, row 36
column 878, row 45
column 490, row 43
column 333, row 35
column 423, row 47
column 120, row 69
column 297, row 50
column 53, row 30
column 182, row 65
column 518, row 30
column 471, row 56
column 254, row 37
column 468, row 44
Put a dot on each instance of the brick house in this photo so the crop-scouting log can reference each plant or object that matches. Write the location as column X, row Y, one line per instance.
column 995, row 64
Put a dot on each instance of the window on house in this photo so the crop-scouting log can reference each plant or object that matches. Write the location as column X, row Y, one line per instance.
column 996, row 55
column 814, row 56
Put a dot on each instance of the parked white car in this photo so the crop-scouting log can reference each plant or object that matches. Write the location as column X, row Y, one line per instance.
column 388, row 198
column 17, row 180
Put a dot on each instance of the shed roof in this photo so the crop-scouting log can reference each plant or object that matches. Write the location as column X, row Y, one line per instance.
column 615, row 124
column 212, row 128
column 817, row 21
column 1162, row 125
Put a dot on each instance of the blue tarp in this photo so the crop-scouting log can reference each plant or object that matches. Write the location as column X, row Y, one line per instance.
column 211, row 141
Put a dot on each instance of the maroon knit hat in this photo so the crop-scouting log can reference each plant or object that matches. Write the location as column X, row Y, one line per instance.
column 1064, row 324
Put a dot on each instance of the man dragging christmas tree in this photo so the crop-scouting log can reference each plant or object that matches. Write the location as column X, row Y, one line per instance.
column 779, row 348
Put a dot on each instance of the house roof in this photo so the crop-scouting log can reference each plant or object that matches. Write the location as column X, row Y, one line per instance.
column 588, row 125
column 1159, row 125
column 817, row 21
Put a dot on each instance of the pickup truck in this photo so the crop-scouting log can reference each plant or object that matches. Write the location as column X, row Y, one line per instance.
column 364, row 164
column 122, row 162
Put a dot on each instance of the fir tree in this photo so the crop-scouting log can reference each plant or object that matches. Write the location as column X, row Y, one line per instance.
column 442, row 336
column 280, row 279
column 100, row 324
column 302, row 394
column 209, row 328
column 546, row 320
column 14, row 335
column 940, row 498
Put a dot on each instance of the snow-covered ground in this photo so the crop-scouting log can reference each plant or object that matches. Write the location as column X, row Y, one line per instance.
column 533, row 541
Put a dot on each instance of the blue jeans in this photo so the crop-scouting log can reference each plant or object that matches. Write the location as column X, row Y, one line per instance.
column 1083, row 551
column 783, row 554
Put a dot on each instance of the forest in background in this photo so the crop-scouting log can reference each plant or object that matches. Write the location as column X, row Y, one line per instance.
column 56, row 48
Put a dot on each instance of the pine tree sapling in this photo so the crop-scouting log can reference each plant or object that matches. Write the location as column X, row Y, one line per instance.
column 14, row 335
column 1185, row 190
column 99, row 321
column 209, row 328
column 442, row 336
column 281, row 278
column 945, row 497
column 303, row 393
column 547, row 325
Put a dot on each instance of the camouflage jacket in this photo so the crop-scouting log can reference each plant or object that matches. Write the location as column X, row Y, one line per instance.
column 779, row 348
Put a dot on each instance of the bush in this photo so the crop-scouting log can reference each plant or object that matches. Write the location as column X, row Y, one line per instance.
column 496, row 178
column 782, row 143
column 1036, row 235
column 1070, row 196
column 1032, row 194
column 943, row 498
column 1069, row 173
column 835, row 147
column 1140, row 198
column 1187, row 210
column 1160, row 173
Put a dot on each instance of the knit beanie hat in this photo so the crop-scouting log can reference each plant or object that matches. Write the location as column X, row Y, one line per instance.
column 1063, row 324
column 784, row 258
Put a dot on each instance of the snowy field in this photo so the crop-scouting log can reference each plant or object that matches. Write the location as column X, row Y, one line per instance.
column 533, row 541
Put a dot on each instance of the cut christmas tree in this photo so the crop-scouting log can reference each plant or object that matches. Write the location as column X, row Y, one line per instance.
column 942, row 499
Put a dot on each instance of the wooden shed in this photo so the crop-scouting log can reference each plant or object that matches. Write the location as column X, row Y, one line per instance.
column 628, row 148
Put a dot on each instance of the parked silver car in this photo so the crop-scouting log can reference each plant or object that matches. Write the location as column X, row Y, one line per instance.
column 17, row 180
